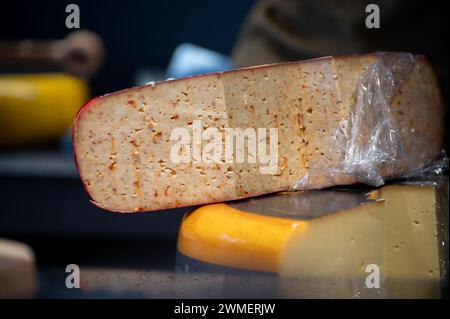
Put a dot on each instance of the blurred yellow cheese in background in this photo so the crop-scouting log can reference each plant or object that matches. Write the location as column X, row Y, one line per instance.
column 38, row 107
column 18, row 273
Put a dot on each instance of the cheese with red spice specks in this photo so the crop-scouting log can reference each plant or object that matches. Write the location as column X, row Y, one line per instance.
column 123, row 143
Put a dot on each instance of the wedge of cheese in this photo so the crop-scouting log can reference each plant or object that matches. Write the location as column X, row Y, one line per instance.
column 123, row 141
column 392, row 242
column 18, row 274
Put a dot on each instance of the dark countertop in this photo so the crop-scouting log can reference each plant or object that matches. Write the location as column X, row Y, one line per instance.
column 44, row 205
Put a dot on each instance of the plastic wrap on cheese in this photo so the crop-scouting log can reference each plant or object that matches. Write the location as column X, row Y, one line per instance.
column 374, row 143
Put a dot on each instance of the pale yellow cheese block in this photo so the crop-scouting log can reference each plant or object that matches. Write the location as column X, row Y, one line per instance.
column 329, row 256
column 123, row 140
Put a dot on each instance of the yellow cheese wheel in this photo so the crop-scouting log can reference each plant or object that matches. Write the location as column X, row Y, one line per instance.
column 223, row 235
column 38, row 107
column 331, row 240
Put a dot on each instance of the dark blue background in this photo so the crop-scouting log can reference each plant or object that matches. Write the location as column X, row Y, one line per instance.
column 136, row 33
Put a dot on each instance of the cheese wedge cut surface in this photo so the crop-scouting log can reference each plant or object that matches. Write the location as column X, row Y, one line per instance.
column 123, row 141
column 331, row 254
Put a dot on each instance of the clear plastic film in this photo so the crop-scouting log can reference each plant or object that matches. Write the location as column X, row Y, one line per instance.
column 372, row 114
column 374, row 144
